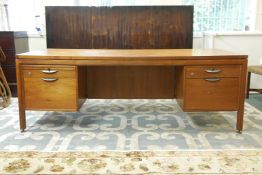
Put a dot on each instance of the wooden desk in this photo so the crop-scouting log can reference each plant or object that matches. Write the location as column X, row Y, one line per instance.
column 206, row 80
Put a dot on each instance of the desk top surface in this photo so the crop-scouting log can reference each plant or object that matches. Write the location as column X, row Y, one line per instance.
column 85, row 54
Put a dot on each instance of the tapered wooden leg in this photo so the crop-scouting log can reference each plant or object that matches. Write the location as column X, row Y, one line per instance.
column 22, row 114
column 242, row 95
column 22, row 119
column 240, row 119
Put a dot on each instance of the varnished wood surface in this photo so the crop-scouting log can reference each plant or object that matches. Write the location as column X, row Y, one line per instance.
column 122, row 27
column 131, row 83
column 194, row 93
column 119, row 27
column 222, row 71
column 201, row 94
column 10, row 46
column 118, row 54
column 61, row 94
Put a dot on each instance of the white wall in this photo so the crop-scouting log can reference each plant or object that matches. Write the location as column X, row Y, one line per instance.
column 249, row 43
column 259, row 15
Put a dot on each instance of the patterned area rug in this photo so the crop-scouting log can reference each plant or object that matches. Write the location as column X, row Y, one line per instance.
column 129, row 125
column 147, row 162
column 130, row 137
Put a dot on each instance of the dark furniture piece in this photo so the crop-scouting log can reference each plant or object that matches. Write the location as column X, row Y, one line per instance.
column 12, row 43
column 5, row 93
column 255, row 70
column 125, row 27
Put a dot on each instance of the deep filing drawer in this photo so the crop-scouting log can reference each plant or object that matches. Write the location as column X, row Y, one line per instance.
column 212, row 71
column 50, row 87
column 211, row 94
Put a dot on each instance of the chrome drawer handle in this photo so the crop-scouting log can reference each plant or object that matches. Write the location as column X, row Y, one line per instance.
column 213, row 70
column 49, row 71
column 49, row 79
column 212, row 79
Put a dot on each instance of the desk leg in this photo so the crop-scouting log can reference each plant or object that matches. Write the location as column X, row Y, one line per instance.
column 22, row 119
column 240, row 117
column 242, row 95
column 22, row 116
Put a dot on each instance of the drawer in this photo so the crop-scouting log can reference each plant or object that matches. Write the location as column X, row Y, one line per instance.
column 212, row 71
column 56, row 91
column 49, row 71
column 211, row 94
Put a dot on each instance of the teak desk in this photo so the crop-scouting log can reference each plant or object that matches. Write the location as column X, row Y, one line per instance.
column 206, row 80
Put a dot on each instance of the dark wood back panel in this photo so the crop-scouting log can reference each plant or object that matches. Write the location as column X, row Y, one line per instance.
column 123, row 27
column 127, row 27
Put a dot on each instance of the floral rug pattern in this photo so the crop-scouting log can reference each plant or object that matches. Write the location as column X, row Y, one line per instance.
column 132, row 162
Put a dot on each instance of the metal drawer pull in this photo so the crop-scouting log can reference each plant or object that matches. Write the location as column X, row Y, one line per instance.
column 212, row 79
column 49, row 71
column 49, row 79
column 213, row 70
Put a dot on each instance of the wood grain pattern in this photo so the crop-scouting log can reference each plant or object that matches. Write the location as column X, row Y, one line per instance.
column 61, row 94
column 10, row 46
column 193, row 93
column 130, row 54
column 218, row 71
column 127, row 85
column 125, row 27
column 204, row 95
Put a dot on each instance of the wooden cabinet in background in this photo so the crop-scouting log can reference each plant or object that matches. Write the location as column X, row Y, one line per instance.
column 12, row 43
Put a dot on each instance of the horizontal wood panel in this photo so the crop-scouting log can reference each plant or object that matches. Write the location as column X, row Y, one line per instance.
column 219, row 95
column 122, row 27
column 133, row 62
column 130, row 54
column 213, row 71
column 130, row 82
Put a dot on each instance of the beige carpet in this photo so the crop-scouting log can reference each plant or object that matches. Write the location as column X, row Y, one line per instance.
column 135, row 162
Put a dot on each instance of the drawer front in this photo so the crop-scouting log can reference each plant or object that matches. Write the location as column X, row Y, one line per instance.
column 57, row 91
column 212, row 71
column 211, row 94
column 49, row 71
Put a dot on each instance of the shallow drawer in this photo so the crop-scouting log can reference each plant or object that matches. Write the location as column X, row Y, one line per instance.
column 212, row 71
column 211, row 94
column 49, row 71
